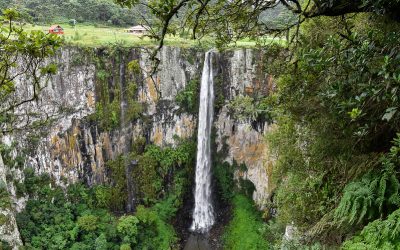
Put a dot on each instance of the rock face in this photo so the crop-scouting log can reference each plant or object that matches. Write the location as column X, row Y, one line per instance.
column 74, row 147
column 8, row 226
column 245, row 142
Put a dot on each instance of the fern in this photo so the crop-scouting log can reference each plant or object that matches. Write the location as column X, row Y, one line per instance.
column 379, row 234
column 357, row 201
column 376, row 193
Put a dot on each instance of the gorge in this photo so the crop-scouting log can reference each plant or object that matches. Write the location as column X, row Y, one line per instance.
column 287, row 136
column 105, row 105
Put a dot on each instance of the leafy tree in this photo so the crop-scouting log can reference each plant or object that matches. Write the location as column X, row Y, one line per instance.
column 243, row 108
column 97, row 11
column 23, row 53
column 101, row 242
column 87, row 223
column 127, row 227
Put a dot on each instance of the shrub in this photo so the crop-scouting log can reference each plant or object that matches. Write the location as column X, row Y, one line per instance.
column 188, row 99
column 243, row 108
column 125, row 247
column 127, row 227
column 154, row 232
column 87, row 223
column 224, row 175
column 101, row 242
column 103, row 196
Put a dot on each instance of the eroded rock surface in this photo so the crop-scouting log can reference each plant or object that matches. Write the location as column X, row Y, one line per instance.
column 74, row 147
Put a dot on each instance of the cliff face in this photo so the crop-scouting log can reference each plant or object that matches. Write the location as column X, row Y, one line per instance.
column 76, row 147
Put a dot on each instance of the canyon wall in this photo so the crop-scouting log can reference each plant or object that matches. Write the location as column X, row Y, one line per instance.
column 74, row 147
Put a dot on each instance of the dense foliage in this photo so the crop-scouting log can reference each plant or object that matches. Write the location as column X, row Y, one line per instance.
column 376, row 194
column 337, row 109
column 246, row 229
column 379, row 234
column 246, row 108
column 95, row 11
column 188, row 98
column 82, row 218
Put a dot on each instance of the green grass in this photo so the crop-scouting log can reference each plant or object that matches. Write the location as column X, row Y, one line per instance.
column 248, row 43
column 245, row 229
column 96, row 36
column 92, row 36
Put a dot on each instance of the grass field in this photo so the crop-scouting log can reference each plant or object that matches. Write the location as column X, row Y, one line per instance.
column 96, row 36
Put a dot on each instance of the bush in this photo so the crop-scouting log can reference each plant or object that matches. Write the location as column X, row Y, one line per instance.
column 87, row 223
column 188, row 99
column 154, row 232
column 224, row 175
column 242, row 108
column 127, row 227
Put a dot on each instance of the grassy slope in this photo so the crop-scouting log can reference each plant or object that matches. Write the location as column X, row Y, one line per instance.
column 244, row 230
column 95, row 36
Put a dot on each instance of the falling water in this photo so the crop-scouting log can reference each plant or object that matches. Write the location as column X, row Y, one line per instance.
column 203, row 216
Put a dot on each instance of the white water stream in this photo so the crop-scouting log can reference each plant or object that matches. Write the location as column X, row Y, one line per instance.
column 203, row 215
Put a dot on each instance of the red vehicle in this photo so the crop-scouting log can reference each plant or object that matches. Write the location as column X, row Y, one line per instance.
column 56, row 29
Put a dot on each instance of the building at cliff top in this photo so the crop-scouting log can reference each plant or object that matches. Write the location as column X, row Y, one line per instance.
column 138, row 30
column 56, row 29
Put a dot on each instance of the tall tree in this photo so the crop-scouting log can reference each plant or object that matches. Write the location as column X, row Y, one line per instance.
column 235, row 19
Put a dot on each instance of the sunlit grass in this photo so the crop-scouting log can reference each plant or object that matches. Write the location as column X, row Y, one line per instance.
column 97, row 36
column 91, row 36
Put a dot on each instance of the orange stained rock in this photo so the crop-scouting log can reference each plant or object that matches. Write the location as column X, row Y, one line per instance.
column 90, row 99
column 151, row 86
column 158, row 136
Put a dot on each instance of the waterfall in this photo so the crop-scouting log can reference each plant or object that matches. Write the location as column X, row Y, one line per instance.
column 203, row 216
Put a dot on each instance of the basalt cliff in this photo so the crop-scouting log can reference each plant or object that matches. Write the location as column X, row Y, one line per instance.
column 101, row 101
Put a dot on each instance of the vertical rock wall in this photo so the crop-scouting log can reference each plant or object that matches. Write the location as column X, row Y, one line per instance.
column 243, row 74
column 75, row 148
column 8, row 226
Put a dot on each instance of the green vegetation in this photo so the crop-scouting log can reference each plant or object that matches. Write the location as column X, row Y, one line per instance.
column 245, row 228
column 4, row 245
column 246, row 108
column 112, row 87
column 188, row 98
column 379, row 234
column 86, row 35
column 5, row 200
column 32, row 48
column 156, row 167
column 224, row 172
column 82, row 11
column 82, row 218
column 337, row 105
